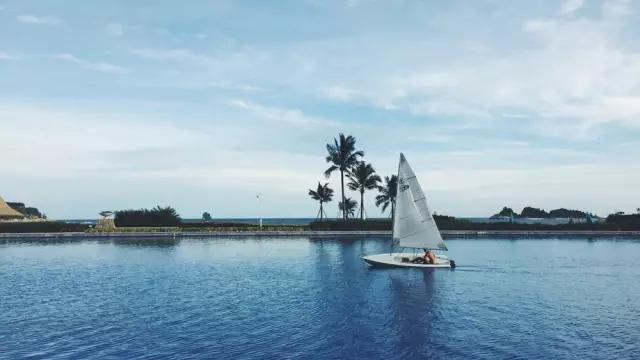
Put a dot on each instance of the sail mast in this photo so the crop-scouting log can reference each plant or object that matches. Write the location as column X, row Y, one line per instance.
column 393, row 207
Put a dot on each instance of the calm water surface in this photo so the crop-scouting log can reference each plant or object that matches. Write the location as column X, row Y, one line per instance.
column 314, row 298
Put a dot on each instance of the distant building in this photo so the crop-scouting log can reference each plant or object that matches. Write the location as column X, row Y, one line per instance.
column 7, row 213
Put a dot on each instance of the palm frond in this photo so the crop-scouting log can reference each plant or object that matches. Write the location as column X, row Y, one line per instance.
column 387, row 192
column 332, row 168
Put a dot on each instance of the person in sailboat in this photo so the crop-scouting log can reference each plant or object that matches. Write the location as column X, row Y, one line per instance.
column 430, row 257
column 427, row 258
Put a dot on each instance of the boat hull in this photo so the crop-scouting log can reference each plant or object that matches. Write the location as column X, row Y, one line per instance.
column 404, row 260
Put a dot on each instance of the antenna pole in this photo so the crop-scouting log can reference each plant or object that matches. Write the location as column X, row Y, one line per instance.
column 259, row 197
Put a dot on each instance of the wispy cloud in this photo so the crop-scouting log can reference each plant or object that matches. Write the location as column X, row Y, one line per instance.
column 613, row 9
column 98, row 66
column 574, row 70
column 571, row 6
column 185, row 56
column 114, row 29
column 38, row 20
column 5, row 56
column 451, row 84
column 290, row 116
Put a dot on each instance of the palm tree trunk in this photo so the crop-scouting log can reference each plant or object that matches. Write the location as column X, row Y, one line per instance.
column 321, row 210
column 344, row 213
column 361, row 205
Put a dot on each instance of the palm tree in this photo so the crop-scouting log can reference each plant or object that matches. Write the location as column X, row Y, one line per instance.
column 343, row 155
column 363, row 177
column 323, row 194
column 388, row 194
column 349, row 209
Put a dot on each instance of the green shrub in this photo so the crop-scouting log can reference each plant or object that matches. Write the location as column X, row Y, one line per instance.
column 451, row 223
column 157, row 216
column 624, row 222
column 351, row 225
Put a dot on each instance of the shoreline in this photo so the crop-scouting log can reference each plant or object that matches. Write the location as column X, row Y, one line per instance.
column 445, row 234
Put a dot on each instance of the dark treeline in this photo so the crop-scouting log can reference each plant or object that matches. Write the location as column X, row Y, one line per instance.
column 614, row 223
column 41, row 227
column 215, row 224
column 351, row 224
column 531, row 212
column 157, row 216
column 625, row 222
column 27, row 211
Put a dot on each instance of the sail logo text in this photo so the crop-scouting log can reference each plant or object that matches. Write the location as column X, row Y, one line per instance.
column 403, row 184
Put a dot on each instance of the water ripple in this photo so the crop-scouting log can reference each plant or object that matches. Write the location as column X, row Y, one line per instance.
column 302, row 298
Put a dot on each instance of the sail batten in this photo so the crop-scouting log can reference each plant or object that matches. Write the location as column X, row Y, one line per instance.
column 413, row 225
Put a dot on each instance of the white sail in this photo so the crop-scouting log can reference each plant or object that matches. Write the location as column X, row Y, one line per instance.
column 413, row 225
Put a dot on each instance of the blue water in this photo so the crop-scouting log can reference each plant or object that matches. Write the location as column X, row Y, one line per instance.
column 262, row 298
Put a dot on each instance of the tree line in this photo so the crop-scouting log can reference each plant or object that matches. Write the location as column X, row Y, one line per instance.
column 361, row 176
column 158, row 216
column 531, row 212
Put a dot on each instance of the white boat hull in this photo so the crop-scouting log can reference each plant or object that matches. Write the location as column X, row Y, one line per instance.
column 405, row 260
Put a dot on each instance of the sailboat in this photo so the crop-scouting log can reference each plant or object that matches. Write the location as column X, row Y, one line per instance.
column 413, row 226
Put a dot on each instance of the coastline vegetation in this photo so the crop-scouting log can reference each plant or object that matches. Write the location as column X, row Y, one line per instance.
column 28, row 211
column 452, row 223
column 41, row 227
column 531, row 212
column 614, row 223
column 362, row 177
column 343, row 157
column 323, row 194
column 158, row 216
column 348, row 208
column 388, row 193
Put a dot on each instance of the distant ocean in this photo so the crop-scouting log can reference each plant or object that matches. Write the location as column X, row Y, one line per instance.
column 307, row 221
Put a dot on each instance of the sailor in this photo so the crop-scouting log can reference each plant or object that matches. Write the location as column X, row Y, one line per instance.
column 429, row 257
column 424, row 259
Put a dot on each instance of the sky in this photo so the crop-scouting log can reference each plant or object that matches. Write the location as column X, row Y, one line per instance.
column 201, row 105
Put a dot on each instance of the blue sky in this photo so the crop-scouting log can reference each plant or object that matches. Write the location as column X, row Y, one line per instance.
column 203, row 104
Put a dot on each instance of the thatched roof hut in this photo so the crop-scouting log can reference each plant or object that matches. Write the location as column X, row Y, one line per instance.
column 7, row 213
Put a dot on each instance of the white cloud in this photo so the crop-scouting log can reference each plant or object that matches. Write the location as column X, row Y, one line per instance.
column 120, row 161
column 59, row 142
column 114, row 29
column 99, row 66
column 142, row 159
column 571, row 6
column 290, row 116
column 614, row 9
column 38, row 20
column 223, row 84
column 409, row 80
column 179, row 55
column 576, row 71
column 5, row 56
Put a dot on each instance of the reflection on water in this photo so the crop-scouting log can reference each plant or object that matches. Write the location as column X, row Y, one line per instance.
column 315, row 298
column 144, row 242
